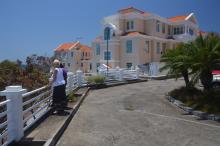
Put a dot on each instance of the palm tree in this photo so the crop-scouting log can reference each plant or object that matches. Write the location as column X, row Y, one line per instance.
column 205, row 56
column 178, row 60
column 198, row 58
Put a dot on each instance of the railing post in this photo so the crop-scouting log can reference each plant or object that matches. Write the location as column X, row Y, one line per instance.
column 15, row 111
column 102, row 72
column 117, row 73
column 70, row 82
column 79, row 74
column 137, row 72
column 120, row 77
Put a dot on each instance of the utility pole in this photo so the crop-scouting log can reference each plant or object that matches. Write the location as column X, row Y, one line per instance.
column 107, row 37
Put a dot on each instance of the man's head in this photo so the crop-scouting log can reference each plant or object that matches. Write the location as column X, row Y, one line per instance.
column 56, row 63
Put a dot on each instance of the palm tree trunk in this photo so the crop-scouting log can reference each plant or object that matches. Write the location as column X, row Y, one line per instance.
column 206, row 79
column 186, row 77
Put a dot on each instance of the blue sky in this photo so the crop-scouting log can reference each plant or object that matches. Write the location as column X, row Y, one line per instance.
column 38, row 26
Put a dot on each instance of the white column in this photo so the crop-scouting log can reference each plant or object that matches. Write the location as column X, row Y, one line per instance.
column 150, row 69
column 137, row 72
column 117, row 73
column 156, row 68
column 102, row 72
column 120, row 77
column 186, row 29
column 15, row 111
column 70, row 82
column 79, row 74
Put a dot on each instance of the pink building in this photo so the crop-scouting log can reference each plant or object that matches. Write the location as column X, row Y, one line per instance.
column 74, row 56
column 139, row 38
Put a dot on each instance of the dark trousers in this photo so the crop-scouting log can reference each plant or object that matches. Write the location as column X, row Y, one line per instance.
column 59, row 96
column 65, row 101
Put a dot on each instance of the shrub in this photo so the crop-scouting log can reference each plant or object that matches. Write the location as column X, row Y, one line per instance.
column 207, row 101
column 72, row 97
column 185, row 94
column 96, row 79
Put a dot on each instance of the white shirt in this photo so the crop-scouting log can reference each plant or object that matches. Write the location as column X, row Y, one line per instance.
column 59, row 79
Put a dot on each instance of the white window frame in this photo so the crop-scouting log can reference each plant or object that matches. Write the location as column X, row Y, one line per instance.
column 158, row 48
column 130, row 25
column 147, row 47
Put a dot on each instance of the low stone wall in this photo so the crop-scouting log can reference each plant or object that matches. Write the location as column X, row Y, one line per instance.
column 189, row 110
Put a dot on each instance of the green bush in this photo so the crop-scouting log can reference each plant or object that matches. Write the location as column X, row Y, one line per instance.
column 72, row 97
column 96, row 79
column 206, row 101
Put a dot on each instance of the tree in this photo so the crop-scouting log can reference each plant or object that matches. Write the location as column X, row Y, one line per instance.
column 177, row 60
column 205, row 58
column 19, row 62
column 12, row 74
column 8, row 73
column 198, row 58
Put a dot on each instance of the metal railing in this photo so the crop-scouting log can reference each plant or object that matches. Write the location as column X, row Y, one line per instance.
column 72, row 82
column 120, row 73
column 130, row 74
column 5, row 138
column 22, row 109
column 36, row 104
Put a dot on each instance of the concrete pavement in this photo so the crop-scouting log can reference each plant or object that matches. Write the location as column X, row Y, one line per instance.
column 137, row 115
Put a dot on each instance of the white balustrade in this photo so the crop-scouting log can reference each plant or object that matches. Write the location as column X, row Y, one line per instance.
column 120, row 76
column 36, row 105
column 4, row 136
column 79, row 74
column 25, row 108
column 71, row 82
column 120, row 73
column 14, row 112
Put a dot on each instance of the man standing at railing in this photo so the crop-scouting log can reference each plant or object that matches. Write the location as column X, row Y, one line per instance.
column 58, row 83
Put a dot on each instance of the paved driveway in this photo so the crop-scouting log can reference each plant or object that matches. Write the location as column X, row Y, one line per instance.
column 137, row 115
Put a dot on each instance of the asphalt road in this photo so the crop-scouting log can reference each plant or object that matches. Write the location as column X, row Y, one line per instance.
column 137, row 115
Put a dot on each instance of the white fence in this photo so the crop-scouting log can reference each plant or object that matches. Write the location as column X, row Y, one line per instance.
column 72, row 82
column 22, row 109
column 121, row 74
column 4, row 138
column 35, row 105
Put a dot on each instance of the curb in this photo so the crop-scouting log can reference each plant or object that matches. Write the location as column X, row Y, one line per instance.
column 126, row 83
column 117, row 84
column 201, row 115
column 52, row 141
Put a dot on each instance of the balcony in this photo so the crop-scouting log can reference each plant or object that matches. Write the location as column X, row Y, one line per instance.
column 184, row 37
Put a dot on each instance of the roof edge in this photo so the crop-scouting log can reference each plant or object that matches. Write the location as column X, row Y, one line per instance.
column 140, row 11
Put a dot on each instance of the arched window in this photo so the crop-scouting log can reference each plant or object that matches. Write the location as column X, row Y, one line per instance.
column 107, row 33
